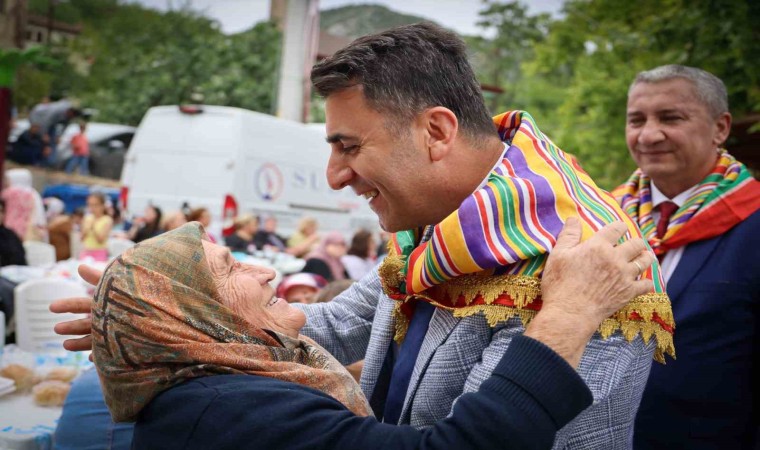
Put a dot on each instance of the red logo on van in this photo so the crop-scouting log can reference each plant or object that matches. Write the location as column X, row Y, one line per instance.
column 269, row 182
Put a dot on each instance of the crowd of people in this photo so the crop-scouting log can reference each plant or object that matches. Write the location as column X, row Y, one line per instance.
column 85, row 234
column 519, row 305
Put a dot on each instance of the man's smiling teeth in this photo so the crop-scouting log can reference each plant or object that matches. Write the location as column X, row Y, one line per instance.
column 369, row 195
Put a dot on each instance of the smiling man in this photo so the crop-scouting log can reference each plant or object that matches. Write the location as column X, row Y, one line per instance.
column 476, row 204
column 699, row 208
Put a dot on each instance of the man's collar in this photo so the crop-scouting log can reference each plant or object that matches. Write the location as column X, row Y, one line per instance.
column 658, row 197
column 498, row 161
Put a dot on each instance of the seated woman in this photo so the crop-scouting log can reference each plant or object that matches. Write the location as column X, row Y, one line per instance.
column 147, row 226
column 197, row 349
column 361, row 257
column 242, row 239
column 325, row 260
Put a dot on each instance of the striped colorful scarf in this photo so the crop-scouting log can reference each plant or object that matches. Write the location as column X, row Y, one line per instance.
column 487, row 257
column 723, row 199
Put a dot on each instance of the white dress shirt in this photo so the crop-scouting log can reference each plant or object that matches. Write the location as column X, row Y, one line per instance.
column 673, row 256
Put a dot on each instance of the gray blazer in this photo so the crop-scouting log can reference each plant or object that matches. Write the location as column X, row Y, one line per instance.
column 459, row 354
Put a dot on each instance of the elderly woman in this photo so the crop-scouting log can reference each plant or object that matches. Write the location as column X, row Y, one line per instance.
column 197, row 349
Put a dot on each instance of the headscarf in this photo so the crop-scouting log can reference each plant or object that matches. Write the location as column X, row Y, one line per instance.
column 25, row 213
column 336, row 267
column 726, row 197
column 158, row 320
column 487, row 257
column 54, row 207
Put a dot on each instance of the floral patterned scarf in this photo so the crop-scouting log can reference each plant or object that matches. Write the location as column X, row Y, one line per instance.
column 157, row 321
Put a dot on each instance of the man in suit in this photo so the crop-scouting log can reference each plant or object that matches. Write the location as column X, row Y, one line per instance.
column 410, row 133
column 700, row 210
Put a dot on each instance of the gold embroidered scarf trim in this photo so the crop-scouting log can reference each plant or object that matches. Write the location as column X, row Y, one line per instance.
column 524, row 290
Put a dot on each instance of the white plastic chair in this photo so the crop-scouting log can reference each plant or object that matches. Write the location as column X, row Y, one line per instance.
column 39, row 253
column 34, row 321
column 75, row 244
column 117, row 246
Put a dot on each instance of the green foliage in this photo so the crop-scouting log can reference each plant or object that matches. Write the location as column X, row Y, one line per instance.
column 515, row 34
column 130, row 58
column 12, row 59
column 62, row 10
column 32, row 85
column 574, row 77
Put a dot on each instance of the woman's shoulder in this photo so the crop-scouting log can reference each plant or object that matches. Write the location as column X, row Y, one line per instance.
column 206, row 398
column 236, row 385
column 248, row 408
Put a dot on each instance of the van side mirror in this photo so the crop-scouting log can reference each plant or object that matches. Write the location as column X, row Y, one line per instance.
column 116, row 144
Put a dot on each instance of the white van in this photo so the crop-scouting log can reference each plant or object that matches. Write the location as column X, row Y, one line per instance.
column 234, row 161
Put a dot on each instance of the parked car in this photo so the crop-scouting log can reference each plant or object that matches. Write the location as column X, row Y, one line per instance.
column 108, row 146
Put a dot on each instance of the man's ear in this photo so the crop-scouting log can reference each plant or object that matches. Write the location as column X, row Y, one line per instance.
column 722, row 129
column 441, row 126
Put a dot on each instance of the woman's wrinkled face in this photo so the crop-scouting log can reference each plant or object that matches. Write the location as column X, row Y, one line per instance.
column 245, row 289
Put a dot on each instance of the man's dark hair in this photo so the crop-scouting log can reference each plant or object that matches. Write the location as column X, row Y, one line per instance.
column 405, row 70
column 2, row 206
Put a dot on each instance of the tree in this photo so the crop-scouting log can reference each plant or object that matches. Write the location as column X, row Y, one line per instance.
column 499, row 59
column 576, row 80
column 10, row 61
column 129, row 58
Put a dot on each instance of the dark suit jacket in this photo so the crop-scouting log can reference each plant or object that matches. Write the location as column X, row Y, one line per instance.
column 708, row 397
column 531, row 394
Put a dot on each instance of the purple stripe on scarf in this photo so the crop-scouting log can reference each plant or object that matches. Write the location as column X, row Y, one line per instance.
column 547, row 215
column 494, row 203
column 474, row 234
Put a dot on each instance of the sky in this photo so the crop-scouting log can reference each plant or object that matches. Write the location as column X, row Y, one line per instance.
column 459, row 15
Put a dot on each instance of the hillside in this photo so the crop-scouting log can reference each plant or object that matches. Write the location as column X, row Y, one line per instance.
column 353, row 21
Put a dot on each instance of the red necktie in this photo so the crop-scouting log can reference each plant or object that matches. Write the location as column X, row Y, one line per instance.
column 666, row 210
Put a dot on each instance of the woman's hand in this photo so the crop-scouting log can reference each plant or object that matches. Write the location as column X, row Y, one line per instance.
column 77, row 305
column 584, row 283
column 596, row 278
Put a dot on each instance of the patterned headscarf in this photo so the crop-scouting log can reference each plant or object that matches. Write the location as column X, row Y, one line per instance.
column 158, row 320
column 727, row 196
column 487, row 257
column 24, row 211
column 336, row 266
